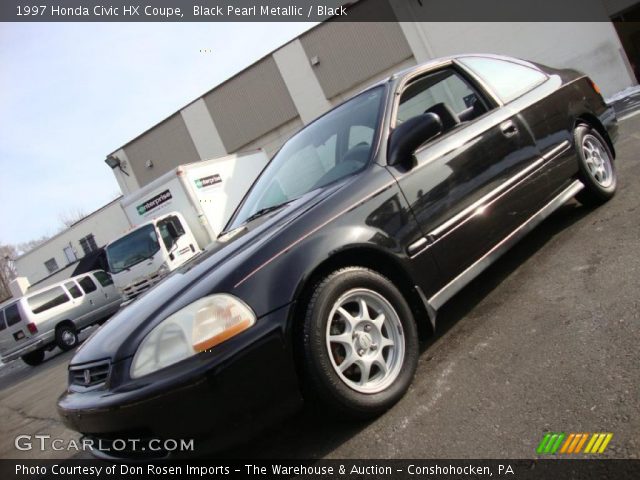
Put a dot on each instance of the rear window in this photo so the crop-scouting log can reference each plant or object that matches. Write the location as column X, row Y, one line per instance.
column 508, row 80
column 87, row 285
column 103, row 278
column 73, row 289
column 13, row 314
column 46, row 300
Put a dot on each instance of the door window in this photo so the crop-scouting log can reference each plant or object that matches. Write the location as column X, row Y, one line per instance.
column 164, row 231
column 47, row 300
column 73, row 289
column 2, row 324
column 104, row 278
column 445, row 93
column 87, row 284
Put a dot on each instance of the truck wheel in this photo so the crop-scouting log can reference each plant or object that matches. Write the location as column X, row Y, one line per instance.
column 360, row 343
column 33, row 358
column 66, row 337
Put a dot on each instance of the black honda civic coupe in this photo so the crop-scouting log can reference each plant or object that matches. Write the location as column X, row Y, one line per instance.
column 359, row 229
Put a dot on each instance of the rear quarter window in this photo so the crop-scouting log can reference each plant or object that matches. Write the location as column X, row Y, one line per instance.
column 508, row 80
column 48, row 299
column 12, row 313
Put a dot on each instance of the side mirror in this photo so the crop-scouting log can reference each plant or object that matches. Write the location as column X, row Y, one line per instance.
column 409, row 135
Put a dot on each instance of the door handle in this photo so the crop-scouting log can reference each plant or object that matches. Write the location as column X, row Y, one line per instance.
column 508, row 128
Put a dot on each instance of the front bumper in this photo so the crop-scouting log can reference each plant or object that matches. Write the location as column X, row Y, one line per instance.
column 216, row 398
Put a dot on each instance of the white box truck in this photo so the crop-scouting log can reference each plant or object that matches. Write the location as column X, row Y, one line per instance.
column 177, row 215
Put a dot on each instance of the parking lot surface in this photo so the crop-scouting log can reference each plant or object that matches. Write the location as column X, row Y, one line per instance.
column 545, row 340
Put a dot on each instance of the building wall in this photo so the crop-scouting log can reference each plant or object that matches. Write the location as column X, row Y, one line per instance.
column 166, row 145
column 350, row 54
column 105, row 224
column 251, row 104
column 301, row 81
column 125, row 176
column 202, row 130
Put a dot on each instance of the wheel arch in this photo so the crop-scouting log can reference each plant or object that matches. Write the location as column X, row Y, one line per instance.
column 593, row 121
column 65, row 322
column 374, row 259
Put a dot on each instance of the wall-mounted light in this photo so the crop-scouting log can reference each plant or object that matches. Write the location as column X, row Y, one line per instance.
column 115, row 162
column 148, row 163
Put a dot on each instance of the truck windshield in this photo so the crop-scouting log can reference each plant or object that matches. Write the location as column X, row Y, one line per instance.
column 137, row 246
column 336, row 145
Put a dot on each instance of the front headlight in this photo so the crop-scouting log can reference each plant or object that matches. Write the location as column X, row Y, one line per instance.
column 198, row 327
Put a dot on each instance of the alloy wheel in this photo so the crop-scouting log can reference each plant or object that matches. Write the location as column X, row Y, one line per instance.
column 365, row 341
column 597, row 160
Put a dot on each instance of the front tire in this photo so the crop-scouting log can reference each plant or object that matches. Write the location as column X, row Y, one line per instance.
column 66, row 337
column 597, row 169
column 360, row 343
column 34, row 358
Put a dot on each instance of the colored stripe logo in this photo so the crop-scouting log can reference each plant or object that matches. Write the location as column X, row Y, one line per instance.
column 572, row 443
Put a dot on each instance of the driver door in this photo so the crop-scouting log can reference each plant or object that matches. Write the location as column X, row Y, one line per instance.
column 454, row 186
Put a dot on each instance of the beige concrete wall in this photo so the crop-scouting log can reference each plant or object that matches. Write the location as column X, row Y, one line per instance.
column 350, row 54
column 166, row 145
column 251, row 104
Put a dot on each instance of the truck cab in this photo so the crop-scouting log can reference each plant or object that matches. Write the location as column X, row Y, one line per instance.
column 146, row 254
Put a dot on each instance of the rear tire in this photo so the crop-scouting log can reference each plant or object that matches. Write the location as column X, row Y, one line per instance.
column 597, row 169
column 33, row 358
column 66, row 337
column 360, row 343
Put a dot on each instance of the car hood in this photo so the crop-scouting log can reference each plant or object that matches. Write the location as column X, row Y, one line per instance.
column 116, row 339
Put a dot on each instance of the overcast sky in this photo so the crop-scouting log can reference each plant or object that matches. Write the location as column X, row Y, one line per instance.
column 72, row 93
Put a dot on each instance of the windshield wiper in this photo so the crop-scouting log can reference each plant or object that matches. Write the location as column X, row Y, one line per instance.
column 265, row 210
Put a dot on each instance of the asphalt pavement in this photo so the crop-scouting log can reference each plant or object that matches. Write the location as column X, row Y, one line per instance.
column 546, row 340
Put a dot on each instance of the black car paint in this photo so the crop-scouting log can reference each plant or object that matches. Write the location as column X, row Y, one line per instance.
column 374, row 217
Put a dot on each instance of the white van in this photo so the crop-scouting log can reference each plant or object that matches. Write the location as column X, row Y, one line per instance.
column 53, row 316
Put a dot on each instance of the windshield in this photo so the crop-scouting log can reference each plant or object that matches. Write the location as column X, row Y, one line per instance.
column 133, row 248
column 331, row 148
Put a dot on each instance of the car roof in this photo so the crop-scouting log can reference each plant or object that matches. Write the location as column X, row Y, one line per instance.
column 58, row 284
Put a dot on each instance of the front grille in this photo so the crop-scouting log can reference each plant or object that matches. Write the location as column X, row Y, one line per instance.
column 90, row 374
column 142, row 286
